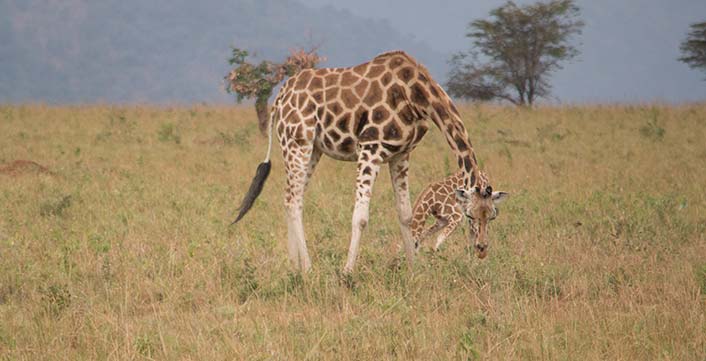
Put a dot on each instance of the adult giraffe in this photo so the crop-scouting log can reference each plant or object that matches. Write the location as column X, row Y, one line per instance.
column 373, row 113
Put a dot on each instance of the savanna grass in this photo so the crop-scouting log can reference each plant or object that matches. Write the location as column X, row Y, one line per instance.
column 123, row 249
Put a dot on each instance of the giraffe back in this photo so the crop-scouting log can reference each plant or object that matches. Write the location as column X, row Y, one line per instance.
column 384, row 103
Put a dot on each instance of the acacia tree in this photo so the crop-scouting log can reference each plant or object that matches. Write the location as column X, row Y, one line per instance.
column 516, row 50
column 249, row 81
column 693, row 48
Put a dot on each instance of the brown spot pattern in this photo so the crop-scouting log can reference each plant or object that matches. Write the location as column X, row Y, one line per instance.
column 347, row 145
column 375, row 71
column 316, row 83
column 360, row 69
column 361, row 87
column 348, row 79
column 336, row 108
column 407, row 115
column 440, row 110
column 303, row 80
column 396, row 62
column 331, row 80
column 386, row 79
column 332, row 93
column 419, row 95
column 309, row 108
column 318, row 97
column 392, row 131
column 380, row 114
column 395, row 95
column 370, row 133
column 391, row 148
column 349, row 99
column 374, row 94
column 328, row 120
column 343, row 123
column 361, row 120
column 301, row 98
column 406, row 74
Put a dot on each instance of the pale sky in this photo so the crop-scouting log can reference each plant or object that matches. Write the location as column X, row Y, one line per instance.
column 629, row 48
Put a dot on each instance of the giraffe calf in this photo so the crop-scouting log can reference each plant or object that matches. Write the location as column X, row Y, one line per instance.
column 449, row 204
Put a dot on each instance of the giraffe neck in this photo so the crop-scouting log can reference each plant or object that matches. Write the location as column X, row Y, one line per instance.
column 467, row 156
column 447, row 118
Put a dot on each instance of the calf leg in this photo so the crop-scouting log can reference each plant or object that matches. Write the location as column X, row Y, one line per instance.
column 436, row 227
column 447, row 230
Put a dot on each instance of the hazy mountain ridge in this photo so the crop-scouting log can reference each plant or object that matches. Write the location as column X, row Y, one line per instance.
column 168, row 51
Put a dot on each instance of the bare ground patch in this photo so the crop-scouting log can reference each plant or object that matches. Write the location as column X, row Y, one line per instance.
column 22, row 167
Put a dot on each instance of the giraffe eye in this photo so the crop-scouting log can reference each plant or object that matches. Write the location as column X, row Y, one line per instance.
column 470, row 217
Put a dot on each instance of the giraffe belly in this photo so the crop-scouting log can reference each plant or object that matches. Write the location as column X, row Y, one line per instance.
column 346, row 148
column 339, row 149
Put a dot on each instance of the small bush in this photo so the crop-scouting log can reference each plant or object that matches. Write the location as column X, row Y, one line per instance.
column 468, row 348
column 55, row 207
column 700, row 272
column 168, row 133
column 240, row 137
column 652, row 129
column 541, row 284
column 240, row 278
column 98, row 243
column 55, row 298
column 145, row 346
column 618, row 279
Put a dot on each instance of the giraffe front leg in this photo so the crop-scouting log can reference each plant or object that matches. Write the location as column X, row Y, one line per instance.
column 368, row 168
column 399, row 168
column 447, row 230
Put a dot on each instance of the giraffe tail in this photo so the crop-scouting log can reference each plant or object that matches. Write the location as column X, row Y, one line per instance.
column 258, row 182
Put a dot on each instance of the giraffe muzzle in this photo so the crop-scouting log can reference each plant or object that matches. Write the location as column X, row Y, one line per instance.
column 481, row 250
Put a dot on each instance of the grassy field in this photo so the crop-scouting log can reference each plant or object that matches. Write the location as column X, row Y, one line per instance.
column 115, row 243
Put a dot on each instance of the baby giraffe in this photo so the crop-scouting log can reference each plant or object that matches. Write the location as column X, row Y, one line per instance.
column 449, row 203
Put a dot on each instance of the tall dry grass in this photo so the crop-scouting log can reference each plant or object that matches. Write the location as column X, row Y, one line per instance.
column 121, row 248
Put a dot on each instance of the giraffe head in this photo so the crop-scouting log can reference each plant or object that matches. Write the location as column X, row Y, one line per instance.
column 479, row 206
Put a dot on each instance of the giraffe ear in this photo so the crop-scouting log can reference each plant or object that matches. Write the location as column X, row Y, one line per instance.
column 499, row 197
column 462, row 195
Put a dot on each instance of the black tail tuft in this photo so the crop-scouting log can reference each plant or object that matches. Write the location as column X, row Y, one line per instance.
column 258, row 182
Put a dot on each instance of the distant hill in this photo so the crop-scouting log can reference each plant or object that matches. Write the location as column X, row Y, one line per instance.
column 78, row 51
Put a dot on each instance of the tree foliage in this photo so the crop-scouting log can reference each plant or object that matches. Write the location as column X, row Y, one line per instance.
column 693, row 48
column 250, row 81
column 516, row 50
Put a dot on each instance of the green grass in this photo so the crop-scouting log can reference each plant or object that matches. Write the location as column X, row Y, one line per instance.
column 123, row 249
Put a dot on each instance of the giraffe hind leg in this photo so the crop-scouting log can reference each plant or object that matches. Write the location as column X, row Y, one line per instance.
column 436, row 227
column 300, row 158
column 446, row 231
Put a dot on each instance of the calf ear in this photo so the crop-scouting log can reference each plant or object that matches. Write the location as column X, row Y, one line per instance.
column 499, row 197
column 462, row 195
